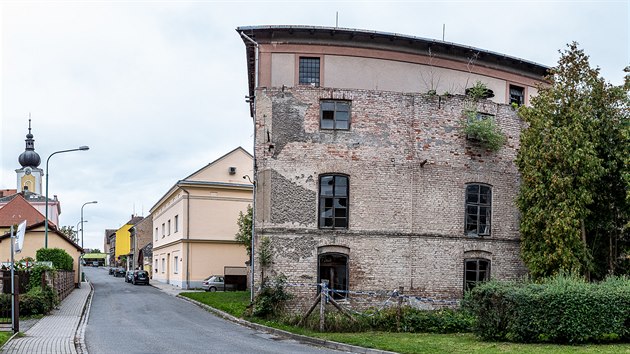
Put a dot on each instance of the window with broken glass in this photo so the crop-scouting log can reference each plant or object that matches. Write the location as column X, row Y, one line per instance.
column 309, row 71
column 517, row 95
column 333, row 202
column 478, row 210
column 334, row 115
column 476, row 270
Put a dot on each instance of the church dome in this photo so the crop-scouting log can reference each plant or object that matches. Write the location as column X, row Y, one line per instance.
column 29, row 158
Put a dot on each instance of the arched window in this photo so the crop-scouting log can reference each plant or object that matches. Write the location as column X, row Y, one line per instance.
column 333, row 202
column 475, row 270
column 478, row 210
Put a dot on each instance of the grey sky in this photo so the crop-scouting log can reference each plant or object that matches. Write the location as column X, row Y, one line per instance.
column 156, row 88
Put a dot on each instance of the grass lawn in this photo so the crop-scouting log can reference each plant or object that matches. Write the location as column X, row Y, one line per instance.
column 235, row 304
column 4, row 336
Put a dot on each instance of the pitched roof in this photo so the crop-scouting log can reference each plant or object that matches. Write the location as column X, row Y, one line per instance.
column 18, row 210
column 52, row 229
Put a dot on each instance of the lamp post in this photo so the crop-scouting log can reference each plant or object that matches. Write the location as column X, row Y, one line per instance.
column 77, row 228
column 94, row 202
column 80, row 148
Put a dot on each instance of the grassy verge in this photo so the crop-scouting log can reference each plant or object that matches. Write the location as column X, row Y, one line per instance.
column 235, row 303
column 4, row 337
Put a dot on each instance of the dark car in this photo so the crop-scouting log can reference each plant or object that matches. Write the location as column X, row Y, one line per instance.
column 129, row 276
column 111, row 270
column 140, row 277
column 119, row 272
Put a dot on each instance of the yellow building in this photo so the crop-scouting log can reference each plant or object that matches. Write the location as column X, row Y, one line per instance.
column 123, row 239
column 194, row 223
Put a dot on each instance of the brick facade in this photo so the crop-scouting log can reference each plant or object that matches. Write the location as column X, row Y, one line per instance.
column 406, row 217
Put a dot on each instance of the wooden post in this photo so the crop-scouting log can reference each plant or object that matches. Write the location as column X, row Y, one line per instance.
column 322, row 305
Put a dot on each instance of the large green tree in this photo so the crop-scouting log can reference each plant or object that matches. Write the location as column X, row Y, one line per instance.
column 573, row 158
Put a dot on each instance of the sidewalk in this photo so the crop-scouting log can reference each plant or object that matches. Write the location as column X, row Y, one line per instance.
column 170, row 289
column 60, row 332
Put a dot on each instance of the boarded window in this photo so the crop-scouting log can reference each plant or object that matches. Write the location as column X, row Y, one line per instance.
column 333, row 268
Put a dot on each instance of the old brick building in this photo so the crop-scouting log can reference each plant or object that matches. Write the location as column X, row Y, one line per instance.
column 364, row 176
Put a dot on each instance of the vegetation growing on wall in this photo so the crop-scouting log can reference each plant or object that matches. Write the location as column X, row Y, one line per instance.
column 478, row 126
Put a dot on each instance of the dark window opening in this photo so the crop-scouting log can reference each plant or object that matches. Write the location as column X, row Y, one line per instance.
column 479, row 116
column 478, row 210
column 335, row 115
column 333, row 202
column 333, row 268
column 309, row 71
column 517, row 95
column 475, row 271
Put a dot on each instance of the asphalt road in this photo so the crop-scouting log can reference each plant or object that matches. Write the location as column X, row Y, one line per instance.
column 126, row 318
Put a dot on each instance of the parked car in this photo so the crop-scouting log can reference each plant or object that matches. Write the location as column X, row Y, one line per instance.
column 119, row 272
column 112, row 270
column 140, row 277
column 129, row 276
column 213, row 283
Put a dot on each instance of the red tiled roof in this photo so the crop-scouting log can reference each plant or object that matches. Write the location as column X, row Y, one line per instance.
column 18, row 210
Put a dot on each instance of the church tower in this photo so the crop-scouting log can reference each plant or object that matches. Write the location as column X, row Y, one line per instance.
column 29, row 177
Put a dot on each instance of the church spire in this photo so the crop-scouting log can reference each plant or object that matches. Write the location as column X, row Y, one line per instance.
column 29, row 157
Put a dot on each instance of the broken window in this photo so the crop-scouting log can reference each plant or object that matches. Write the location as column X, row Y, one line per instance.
column 476, row 270
column 517, row 95
column 333, row 202
column 478, row 210
column 335, row 115
column 309, row 71
column 333, row 268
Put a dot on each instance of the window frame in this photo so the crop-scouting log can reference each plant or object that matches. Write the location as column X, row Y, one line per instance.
column 306, row 72
column 335, row 121
column 477, row 271
column 175, row 264
column 346, row 276
column 176, row 221
column 522, row 96
column 479, row 206
column 321, row 202
column 169, row 227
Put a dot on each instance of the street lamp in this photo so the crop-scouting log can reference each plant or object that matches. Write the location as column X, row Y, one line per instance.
column 80, row 275
column 80, row 148
column 77, row 228
column 94, row 202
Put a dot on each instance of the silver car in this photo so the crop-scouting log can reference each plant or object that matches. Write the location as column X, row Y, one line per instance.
column 213, row 283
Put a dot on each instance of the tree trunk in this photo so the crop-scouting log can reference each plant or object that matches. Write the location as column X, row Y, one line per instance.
column 587, row 272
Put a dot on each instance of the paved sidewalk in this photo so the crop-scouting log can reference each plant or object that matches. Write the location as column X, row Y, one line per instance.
column 56, row 332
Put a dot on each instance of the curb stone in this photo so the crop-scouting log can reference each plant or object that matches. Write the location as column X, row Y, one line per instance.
column 301, row 338
column 79, row 337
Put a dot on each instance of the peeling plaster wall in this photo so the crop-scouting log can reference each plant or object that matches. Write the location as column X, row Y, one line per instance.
column 406, row 216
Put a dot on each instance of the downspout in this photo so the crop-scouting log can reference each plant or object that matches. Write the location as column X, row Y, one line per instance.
column 187, row 238
column 252, row 101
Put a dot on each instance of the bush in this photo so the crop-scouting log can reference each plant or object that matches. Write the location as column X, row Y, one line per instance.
column 59, row 258
column 38, row 301
column 270, row 298
column 558, row 310
column 484, row 130
column 413, row 320
column 35, row 278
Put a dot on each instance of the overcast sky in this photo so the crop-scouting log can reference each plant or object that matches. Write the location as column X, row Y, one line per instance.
column 156, row 88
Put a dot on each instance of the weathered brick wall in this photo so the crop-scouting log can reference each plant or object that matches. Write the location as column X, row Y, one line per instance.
column 406, row 218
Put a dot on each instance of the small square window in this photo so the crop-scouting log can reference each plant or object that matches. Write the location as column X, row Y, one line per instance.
column 517, row 95
column 309, row 71
column 335, row 115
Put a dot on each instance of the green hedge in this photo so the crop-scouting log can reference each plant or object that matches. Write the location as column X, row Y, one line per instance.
column 59, row 257
column 38, row 301
column 558, row 310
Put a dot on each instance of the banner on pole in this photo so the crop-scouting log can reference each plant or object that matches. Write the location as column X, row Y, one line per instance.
column 19, row 237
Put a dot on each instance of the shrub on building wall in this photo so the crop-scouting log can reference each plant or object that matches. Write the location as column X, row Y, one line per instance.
column 60, row 258
column 484, row 130
column 271, row 298
column 559, row 310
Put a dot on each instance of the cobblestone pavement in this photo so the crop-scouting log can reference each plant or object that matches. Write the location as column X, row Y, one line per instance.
column 55, row 333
